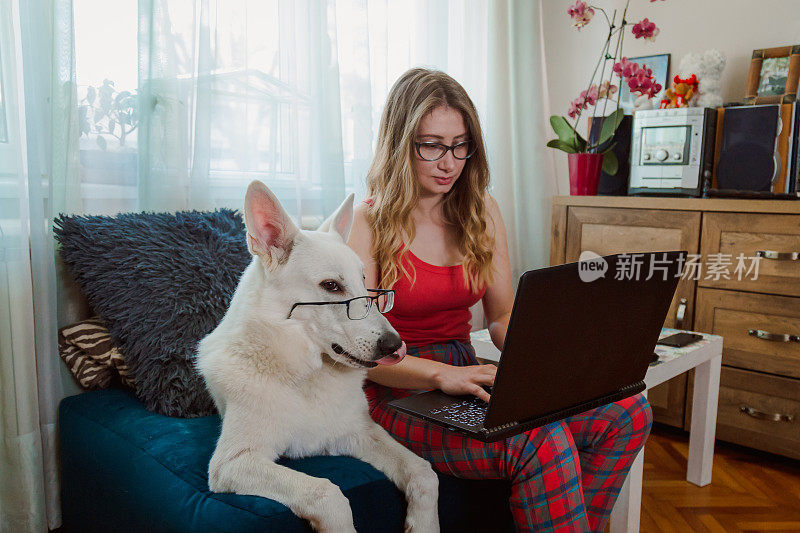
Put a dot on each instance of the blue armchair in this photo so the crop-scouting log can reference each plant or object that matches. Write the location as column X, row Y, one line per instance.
column 128, row 469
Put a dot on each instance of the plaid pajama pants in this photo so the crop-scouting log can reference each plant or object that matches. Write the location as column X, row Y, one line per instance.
column 564, row 476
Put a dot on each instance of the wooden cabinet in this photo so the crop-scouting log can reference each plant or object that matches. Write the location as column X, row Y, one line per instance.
column 756, row 312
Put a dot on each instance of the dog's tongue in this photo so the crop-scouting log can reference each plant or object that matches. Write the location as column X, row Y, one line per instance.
column 393, row 358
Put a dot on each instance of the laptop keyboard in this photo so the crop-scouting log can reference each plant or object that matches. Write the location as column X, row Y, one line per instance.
column 468, row 412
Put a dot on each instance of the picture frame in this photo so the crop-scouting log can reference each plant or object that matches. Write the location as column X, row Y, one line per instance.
column 773, row 75
column 660, row 66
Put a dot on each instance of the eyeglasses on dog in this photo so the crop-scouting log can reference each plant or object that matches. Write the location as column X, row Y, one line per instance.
column 359, row 307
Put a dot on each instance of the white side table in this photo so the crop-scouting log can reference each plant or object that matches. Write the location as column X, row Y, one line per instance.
column 705, row 356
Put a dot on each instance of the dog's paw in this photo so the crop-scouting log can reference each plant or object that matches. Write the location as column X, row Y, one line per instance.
column 422, row 495
column 420, row 521
column 327, row 509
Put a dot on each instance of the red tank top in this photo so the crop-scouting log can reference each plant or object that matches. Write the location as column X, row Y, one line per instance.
column 436, row 308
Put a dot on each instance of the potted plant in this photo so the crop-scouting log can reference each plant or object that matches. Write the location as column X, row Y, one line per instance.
column 587, row 159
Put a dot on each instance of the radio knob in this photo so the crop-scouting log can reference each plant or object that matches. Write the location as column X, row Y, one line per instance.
column 661, row 155
column 676, row 156
column 646, row 157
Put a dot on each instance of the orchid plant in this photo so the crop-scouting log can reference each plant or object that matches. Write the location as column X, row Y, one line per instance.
column 639, row 78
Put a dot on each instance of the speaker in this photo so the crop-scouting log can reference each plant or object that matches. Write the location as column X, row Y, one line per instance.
column 753, row 150
column 616, row 185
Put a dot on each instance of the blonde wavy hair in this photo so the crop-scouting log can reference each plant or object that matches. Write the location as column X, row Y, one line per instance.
column 394, row 189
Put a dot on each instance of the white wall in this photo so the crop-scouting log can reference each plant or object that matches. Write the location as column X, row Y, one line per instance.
column 735, row 27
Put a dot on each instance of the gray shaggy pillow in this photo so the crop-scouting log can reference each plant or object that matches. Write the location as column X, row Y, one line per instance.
column 161, row 282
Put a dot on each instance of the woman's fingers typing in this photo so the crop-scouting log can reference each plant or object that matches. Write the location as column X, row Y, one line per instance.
column 458, row 380
column 481, row 393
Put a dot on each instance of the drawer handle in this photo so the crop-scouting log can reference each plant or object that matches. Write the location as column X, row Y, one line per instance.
column 777, row 337
column 778, row 256
column 680, row 312
column 773, row 417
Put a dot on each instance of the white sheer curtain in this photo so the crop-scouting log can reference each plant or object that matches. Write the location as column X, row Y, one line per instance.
column 522, row 171
column 36, row 176
column 209, row 95
column 21, row 479
column 287, row 91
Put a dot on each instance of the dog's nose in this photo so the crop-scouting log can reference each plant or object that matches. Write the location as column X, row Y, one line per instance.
column 389, row 343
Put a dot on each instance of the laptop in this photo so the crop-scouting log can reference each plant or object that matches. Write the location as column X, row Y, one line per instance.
column 581, row 335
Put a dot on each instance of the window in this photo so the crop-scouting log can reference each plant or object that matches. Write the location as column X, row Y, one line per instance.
column 106, row 74
column 286, row 91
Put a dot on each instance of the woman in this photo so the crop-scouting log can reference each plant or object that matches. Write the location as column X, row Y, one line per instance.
column 432, row 233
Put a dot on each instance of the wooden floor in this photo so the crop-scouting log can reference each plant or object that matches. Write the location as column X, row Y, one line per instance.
column 750, row 491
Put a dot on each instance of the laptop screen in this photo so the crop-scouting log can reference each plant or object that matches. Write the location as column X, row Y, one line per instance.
column 579, row 332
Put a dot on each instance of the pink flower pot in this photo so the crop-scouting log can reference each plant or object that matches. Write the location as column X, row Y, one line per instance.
column 584, row 173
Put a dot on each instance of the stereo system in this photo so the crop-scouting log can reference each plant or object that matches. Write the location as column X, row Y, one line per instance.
column 672, row 151
column 730, row 151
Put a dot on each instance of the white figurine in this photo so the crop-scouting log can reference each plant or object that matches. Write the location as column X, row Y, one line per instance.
column 708, row 67
column 643, row 102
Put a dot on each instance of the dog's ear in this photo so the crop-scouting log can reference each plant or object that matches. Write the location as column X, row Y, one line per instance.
column 270, row 231
column 342, row 220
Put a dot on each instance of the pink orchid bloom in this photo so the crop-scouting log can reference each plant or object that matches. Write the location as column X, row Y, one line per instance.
column 646, row 30
column 625, row 69
column 655, row 89
column 573, row 110
column 639, row 83
column 607, row 89
column 639, row 79
column 590, row 97
column 643, row 73
column 581, row 14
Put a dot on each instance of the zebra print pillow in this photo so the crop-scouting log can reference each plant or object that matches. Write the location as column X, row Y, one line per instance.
column 87, row 350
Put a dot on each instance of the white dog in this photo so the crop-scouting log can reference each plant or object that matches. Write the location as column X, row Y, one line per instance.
column 287, row 379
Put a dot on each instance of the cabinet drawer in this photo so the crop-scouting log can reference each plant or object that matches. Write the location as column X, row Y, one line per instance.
column 612, row 231
column 732, row 234
column 760, row 331
column 759, row 411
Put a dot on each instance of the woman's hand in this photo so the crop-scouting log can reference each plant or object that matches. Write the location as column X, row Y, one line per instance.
column 458, row 380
